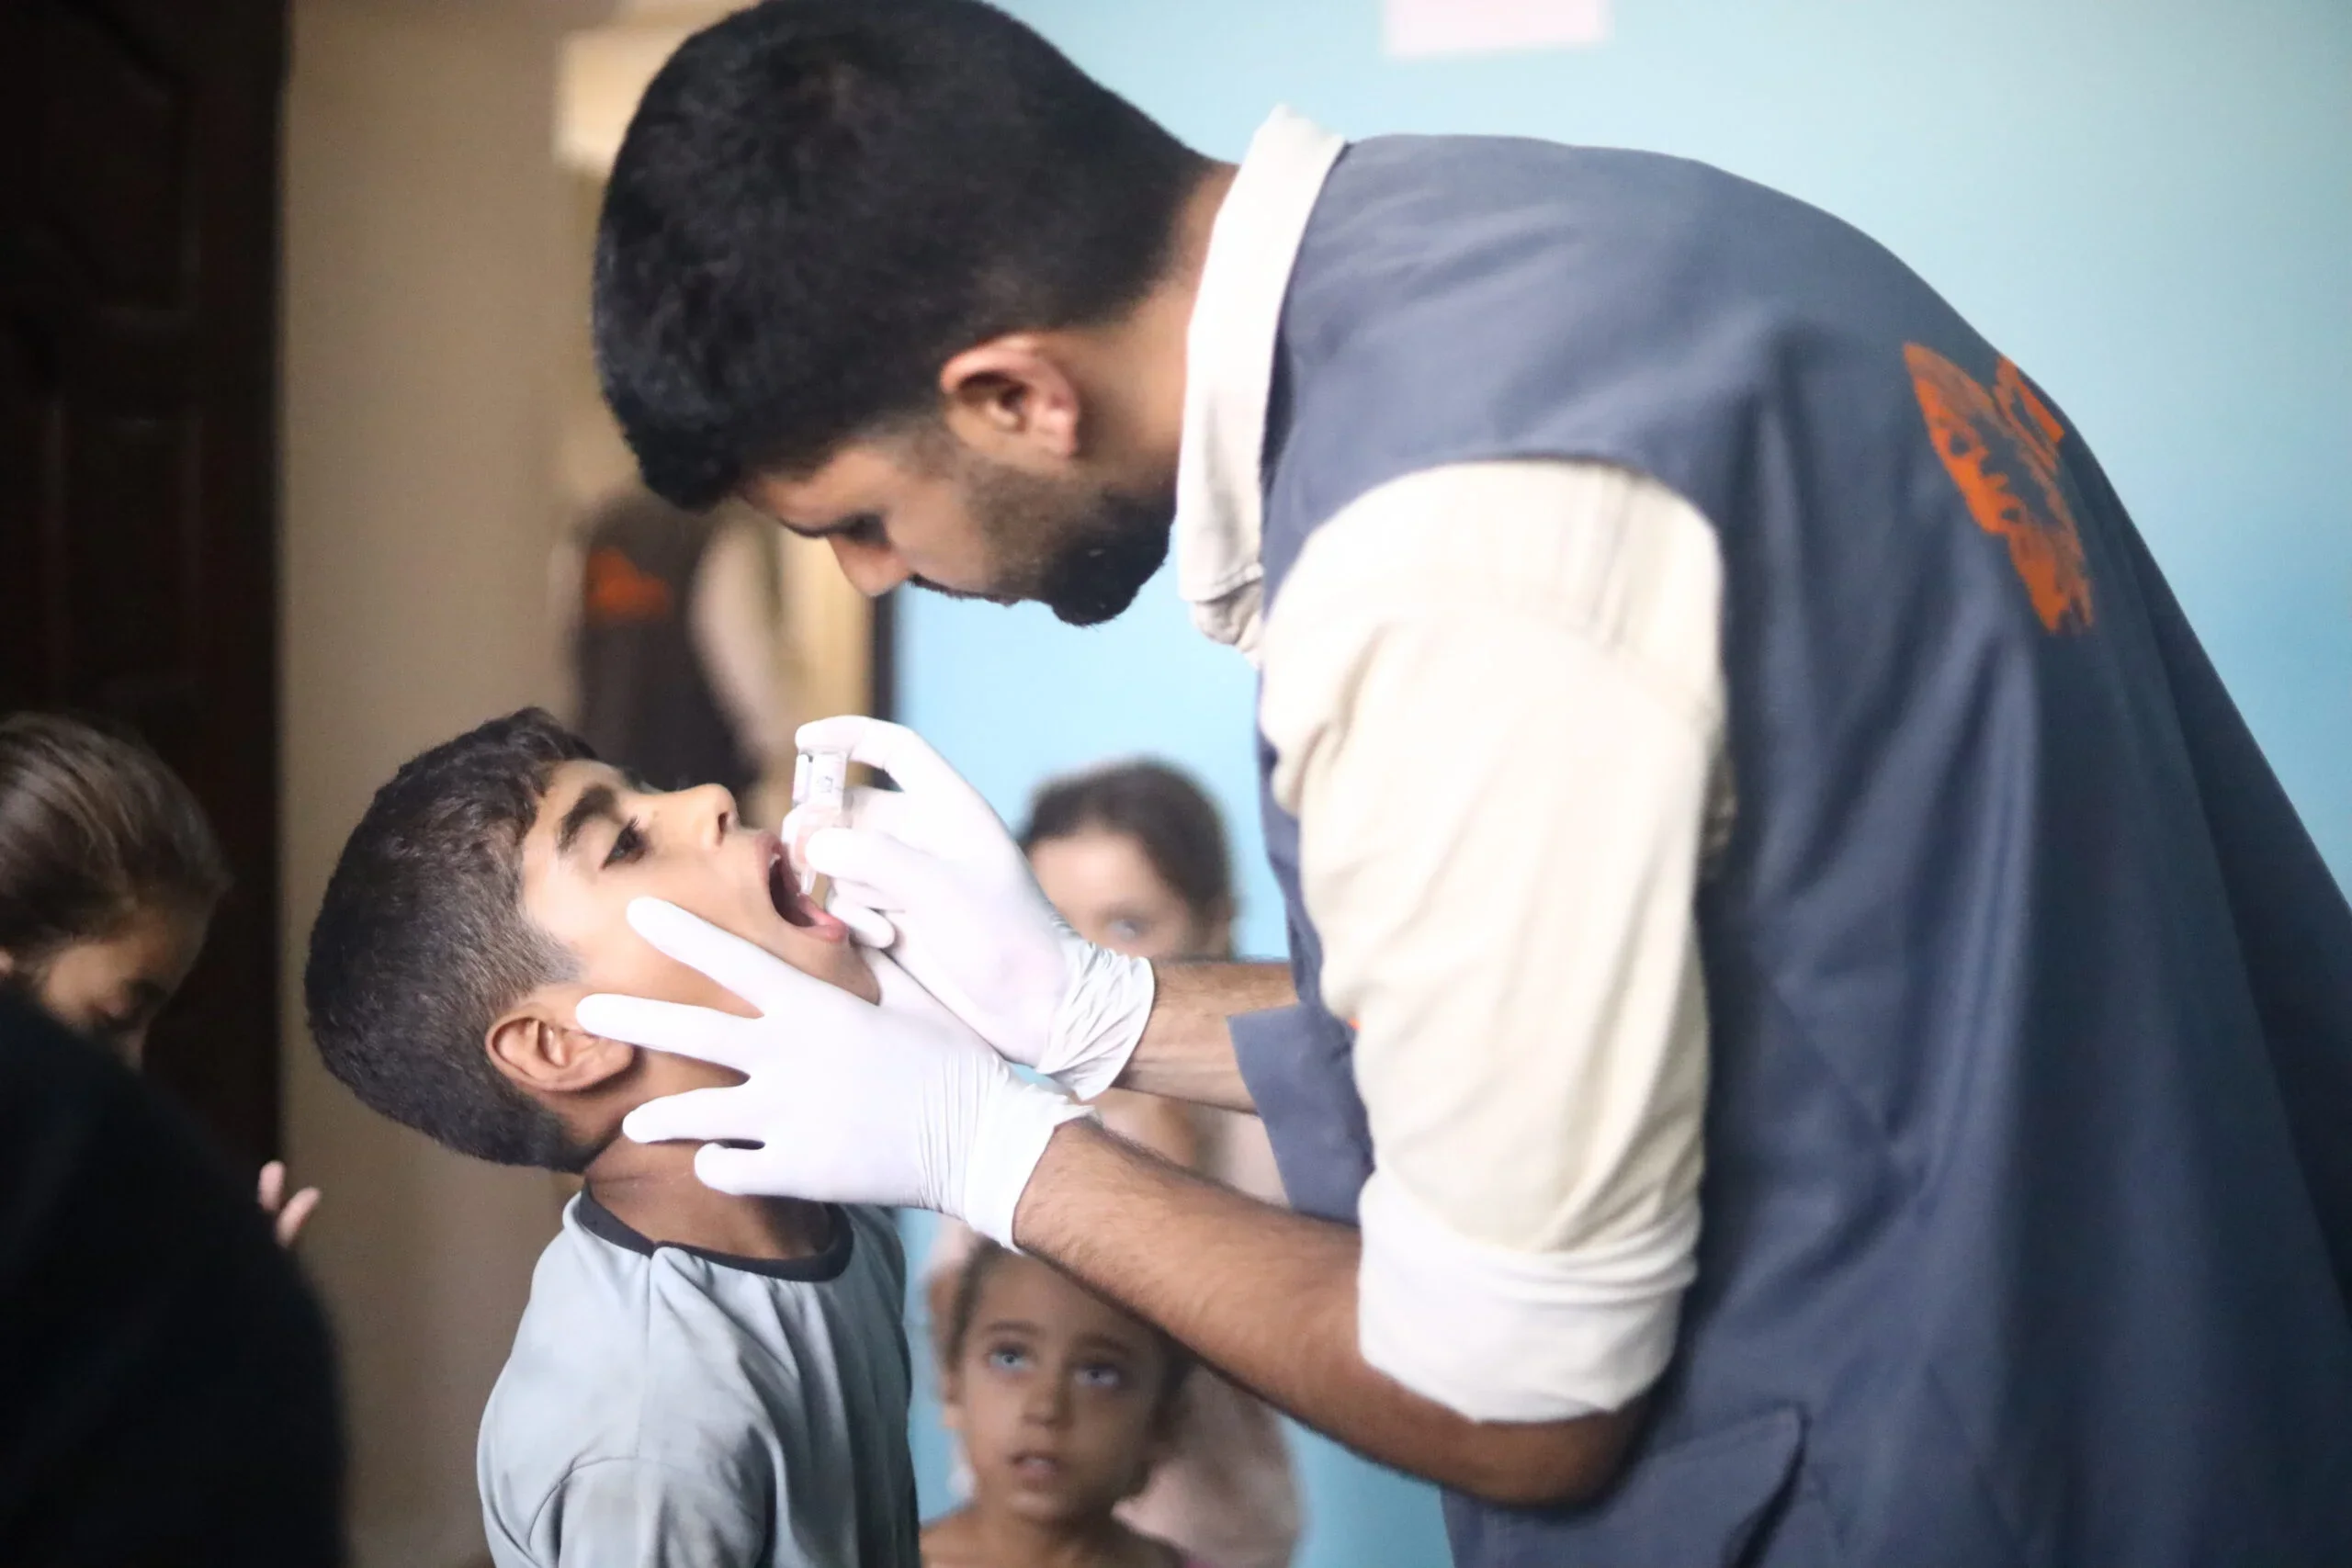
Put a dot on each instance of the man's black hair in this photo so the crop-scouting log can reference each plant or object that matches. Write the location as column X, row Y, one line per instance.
column 819, row 202
column 421, row 942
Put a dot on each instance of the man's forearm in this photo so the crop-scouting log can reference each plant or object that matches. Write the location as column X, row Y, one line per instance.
column 1187, row 1051
column 1269, row 1298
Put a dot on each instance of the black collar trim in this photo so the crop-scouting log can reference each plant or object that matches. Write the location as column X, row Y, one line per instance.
column 818, row 1268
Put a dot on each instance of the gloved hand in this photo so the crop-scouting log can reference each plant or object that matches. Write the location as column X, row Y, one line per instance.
column 849, row 1102
column 929, row 871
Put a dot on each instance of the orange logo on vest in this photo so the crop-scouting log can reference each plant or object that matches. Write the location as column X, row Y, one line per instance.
column 1982, row 437
column 616, row 590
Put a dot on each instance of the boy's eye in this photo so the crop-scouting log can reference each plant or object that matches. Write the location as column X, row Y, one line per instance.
column 1007, row 1359
column 627, row 844
column 1129, row 928
column 1101, row 1375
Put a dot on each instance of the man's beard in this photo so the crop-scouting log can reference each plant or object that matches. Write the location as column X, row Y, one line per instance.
column 1084, row 554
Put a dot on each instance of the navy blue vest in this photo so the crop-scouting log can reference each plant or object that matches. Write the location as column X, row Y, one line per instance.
column 2028, row 1215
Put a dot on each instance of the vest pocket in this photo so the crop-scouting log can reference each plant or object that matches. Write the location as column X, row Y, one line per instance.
column 1698, row 1503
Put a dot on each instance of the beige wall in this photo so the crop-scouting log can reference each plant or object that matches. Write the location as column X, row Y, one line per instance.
column 424, row 280
column 828, row 625
column 441, row 425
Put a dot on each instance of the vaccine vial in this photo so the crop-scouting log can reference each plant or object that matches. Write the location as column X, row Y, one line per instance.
column 820, row 783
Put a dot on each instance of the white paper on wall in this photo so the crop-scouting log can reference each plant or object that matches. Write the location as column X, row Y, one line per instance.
column 1419, row 28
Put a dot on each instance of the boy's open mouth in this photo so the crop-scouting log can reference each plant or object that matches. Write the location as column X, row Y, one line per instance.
column 783, row 892
column 797, row 907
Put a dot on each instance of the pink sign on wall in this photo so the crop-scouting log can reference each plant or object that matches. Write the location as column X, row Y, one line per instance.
column 1419, row 28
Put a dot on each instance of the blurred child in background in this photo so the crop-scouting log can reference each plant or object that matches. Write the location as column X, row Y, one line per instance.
column 1134, row 857
column 1065, row 1405
column 109, row 878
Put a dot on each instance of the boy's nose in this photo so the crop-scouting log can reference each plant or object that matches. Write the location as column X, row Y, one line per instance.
column 713, row 809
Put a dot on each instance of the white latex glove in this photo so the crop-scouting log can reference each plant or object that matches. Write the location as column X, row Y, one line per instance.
column 929, row 871
column 849, row 1102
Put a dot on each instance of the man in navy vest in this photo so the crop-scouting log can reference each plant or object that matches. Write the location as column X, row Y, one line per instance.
column 1813, row 1034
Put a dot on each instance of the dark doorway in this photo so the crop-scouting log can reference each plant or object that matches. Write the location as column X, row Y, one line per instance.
column 138, row 195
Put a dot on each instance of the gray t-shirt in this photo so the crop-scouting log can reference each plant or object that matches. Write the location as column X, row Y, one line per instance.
column 665, row 1408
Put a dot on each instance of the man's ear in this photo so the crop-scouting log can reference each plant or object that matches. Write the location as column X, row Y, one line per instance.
column 7, row 964
column 1013, row 397
column 538, row 1048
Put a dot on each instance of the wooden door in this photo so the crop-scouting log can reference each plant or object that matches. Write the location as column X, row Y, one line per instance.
column 138, row 199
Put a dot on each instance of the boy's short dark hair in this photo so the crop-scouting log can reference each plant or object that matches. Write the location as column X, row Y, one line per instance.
column 819, row 202
column 421, row 942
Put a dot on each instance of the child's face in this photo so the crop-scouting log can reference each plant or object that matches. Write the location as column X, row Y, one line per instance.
column 1056, row 1395
column 1106, row 887
column 109, row 989
column 600, row 841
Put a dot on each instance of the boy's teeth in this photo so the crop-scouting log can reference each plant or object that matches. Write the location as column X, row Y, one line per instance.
column 786, row 896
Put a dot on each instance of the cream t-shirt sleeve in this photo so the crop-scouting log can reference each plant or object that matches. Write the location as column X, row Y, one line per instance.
column 1495, row 699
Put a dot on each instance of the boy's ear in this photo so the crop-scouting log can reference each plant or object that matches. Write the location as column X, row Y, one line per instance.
column 539, row 1049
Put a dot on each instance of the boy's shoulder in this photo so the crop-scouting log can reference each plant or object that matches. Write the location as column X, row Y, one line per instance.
column 663, row 1358
column 705, row 1408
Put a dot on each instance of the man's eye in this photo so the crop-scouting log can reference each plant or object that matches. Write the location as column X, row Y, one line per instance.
column 1128, row 928
column 627, row 844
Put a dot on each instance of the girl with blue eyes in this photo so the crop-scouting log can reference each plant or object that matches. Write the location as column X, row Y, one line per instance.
column 1064, row 1404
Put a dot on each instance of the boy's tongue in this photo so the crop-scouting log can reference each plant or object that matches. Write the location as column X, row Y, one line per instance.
column 798, row 909
column 821, row 924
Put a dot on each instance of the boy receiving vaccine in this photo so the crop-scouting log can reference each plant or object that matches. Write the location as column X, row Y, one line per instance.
column 1063, row 1404
column 699, row 1378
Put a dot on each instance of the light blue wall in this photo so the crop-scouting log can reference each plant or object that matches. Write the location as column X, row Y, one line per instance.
column 2148, row 206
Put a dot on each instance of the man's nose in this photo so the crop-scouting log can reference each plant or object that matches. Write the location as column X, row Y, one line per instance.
column 873, row 570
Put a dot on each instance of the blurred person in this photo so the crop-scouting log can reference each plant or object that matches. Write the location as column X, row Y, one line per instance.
column 699, row 1378
column 678, row 659
column 1134, row 857
column 1810, row 1016
column 1066, row 1407
column 110, row 875
column 167, row 1382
